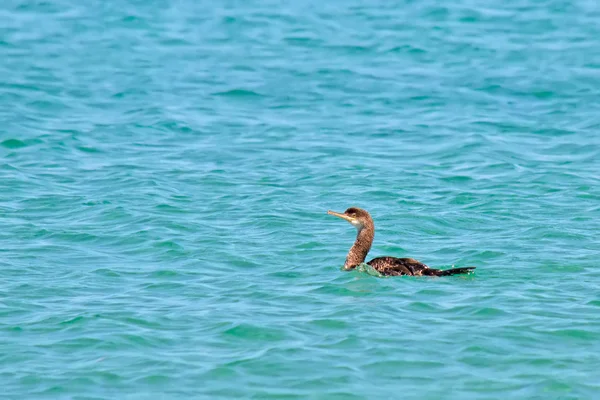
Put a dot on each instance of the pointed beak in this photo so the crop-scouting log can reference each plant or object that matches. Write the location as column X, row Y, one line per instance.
column 340, row 215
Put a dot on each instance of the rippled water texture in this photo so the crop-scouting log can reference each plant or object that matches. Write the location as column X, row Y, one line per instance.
column 166, row 168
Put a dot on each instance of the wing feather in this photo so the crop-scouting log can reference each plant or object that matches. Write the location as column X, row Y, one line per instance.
column 398, row 266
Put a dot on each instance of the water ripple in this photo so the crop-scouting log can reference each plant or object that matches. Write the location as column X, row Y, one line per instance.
column 166, row 169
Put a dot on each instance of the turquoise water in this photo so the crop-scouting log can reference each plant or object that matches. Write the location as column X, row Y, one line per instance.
column 166, row 168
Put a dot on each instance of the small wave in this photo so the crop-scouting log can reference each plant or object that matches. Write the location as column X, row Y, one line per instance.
column 366, row 268
column 238, row 93
column 13, row 144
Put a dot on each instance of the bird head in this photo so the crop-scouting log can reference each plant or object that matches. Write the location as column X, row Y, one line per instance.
column 358, row 217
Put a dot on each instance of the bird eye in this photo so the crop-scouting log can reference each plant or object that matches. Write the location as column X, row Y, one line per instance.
column 353, row 215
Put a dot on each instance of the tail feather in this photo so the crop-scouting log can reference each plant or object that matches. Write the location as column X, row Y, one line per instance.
column 453, row 271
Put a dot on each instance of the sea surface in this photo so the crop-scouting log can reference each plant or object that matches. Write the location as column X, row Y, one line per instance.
column 166, row 168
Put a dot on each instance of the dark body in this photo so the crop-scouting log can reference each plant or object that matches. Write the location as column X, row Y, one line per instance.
column 394, row 266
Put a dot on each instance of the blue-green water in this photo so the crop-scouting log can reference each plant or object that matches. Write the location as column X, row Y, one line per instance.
column 166, row 168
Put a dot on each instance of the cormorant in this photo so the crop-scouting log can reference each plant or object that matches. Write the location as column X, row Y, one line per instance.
column 363, row 223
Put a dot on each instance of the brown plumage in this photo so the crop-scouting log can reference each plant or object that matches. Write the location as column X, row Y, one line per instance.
column 363, row 222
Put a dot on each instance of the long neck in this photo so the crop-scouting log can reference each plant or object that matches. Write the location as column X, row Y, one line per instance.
column 359, row 250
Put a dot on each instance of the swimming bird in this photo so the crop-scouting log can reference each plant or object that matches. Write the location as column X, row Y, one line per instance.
column 363, row 223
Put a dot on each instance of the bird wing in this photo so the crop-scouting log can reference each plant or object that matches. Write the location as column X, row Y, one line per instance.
column 398, row 266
